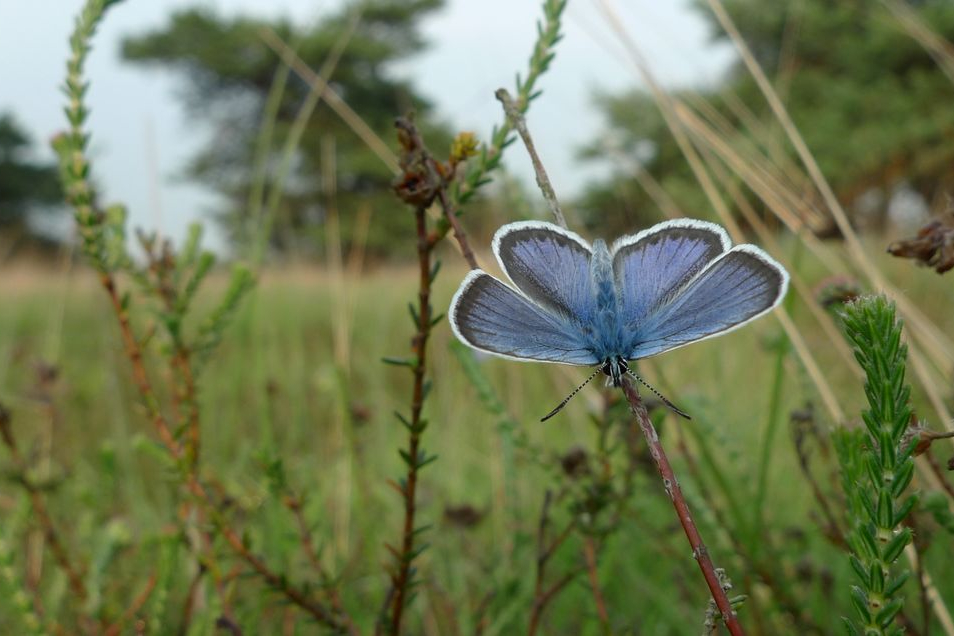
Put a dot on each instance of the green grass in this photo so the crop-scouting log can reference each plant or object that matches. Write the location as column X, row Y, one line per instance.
column 274, row 390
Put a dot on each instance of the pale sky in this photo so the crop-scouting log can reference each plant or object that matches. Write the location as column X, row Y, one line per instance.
column 141, row 137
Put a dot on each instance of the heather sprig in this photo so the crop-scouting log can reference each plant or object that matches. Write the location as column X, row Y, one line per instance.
column 877, row 468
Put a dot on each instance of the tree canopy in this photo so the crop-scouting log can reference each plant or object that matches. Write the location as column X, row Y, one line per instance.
column 27, row 187
column 229, row 70
column 871, row 103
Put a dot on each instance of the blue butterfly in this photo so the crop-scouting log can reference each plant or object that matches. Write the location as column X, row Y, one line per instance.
column 674, row 283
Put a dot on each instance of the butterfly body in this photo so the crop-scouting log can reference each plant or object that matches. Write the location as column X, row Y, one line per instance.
column 667, row 286
column 606, row 336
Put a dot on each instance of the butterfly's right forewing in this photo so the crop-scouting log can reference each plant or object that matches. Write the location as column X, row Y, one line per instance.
column 737, row 287
column 492, row 317
column 653, row 266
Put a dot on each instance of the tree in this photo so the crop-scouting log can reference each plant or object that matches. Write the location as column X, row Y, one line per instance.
column 870, row 102
column 229, row 70
column 28, row 188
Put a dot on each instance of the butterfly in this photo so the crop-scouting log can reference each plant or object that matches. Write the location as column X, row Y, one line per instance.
column 570, row 302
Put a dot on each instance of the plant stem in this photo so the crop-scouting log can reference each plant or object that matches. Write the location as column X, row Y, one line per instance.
column 699, row 551
column 541, row 596
column 402, row 579
column 450, row 213
column 141, row 380
column 73, row 574
column 589, row 552
column 517, row 120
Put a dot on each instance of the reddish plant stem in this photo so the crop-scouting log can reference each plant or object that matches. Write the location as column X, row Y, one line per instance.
column 766, row 573
column 941, row 477
column 189, row 400
column 541, row 596
column 402, row 578
column 450, row 213
column 589, row 552
column 143, row 385
column 438, row 178
column 699, row 551
column 540, row 603
column 294, row 504
column 116, row 628
column 60, row 556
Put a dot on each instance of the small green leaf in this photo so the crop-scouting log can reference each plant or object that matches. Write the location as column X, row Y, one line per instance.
column 884, row 617
column 860, row 602
column 895, row 546
column 400, row 362
column 896, row 584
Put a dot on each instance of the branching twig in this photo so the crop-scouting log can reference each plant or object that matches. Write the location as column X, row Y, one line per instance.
column 450, row 213
column 60, row 555
column 116, row 628
column 589, row 551
column 517, row 120
column 699, row 551
column 295, row 505
column 421, row 182
column 542, row 596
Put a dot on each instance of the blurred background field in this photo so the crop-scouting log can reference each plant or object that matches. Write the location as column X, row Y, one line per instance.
column 299, row 440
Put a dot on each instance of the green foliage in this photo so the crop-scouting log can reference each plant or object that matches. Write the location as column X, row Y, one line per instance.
column 877, row 467
column 229, row 71
column 170, row 282
column 871, row 109
column 26, row 186
column 95, row 227
column 14, row 589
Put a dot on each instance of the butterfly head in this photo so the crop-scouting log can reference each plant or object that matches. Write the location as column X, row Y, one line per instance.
column 614, row 368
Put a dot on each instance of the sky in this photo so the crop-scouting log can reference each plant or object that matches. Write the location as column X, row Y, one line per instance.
column 141, row 137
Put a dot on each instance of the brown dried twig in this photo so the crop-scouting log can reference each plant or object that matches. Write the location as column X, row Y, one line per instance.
column 518, row 121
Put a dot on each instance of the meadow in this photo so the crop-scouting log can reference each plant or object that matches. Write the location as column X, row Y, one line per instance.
column 299, row 378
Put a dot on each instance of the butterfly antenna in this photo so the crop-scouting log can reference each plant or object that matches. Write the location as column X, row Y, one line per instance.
column 662, row 397
column 569, row 397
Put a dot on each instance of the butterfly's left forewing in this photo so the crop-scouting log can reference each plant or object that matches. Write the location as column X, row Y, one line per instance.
column 736, row 287
column 492, row 317
column 550, row 265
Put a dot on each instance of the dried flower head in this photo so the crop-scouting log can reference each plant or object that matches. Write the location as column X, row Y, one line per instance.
column 933, row 245
column 837, row 290
column 464, row 516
